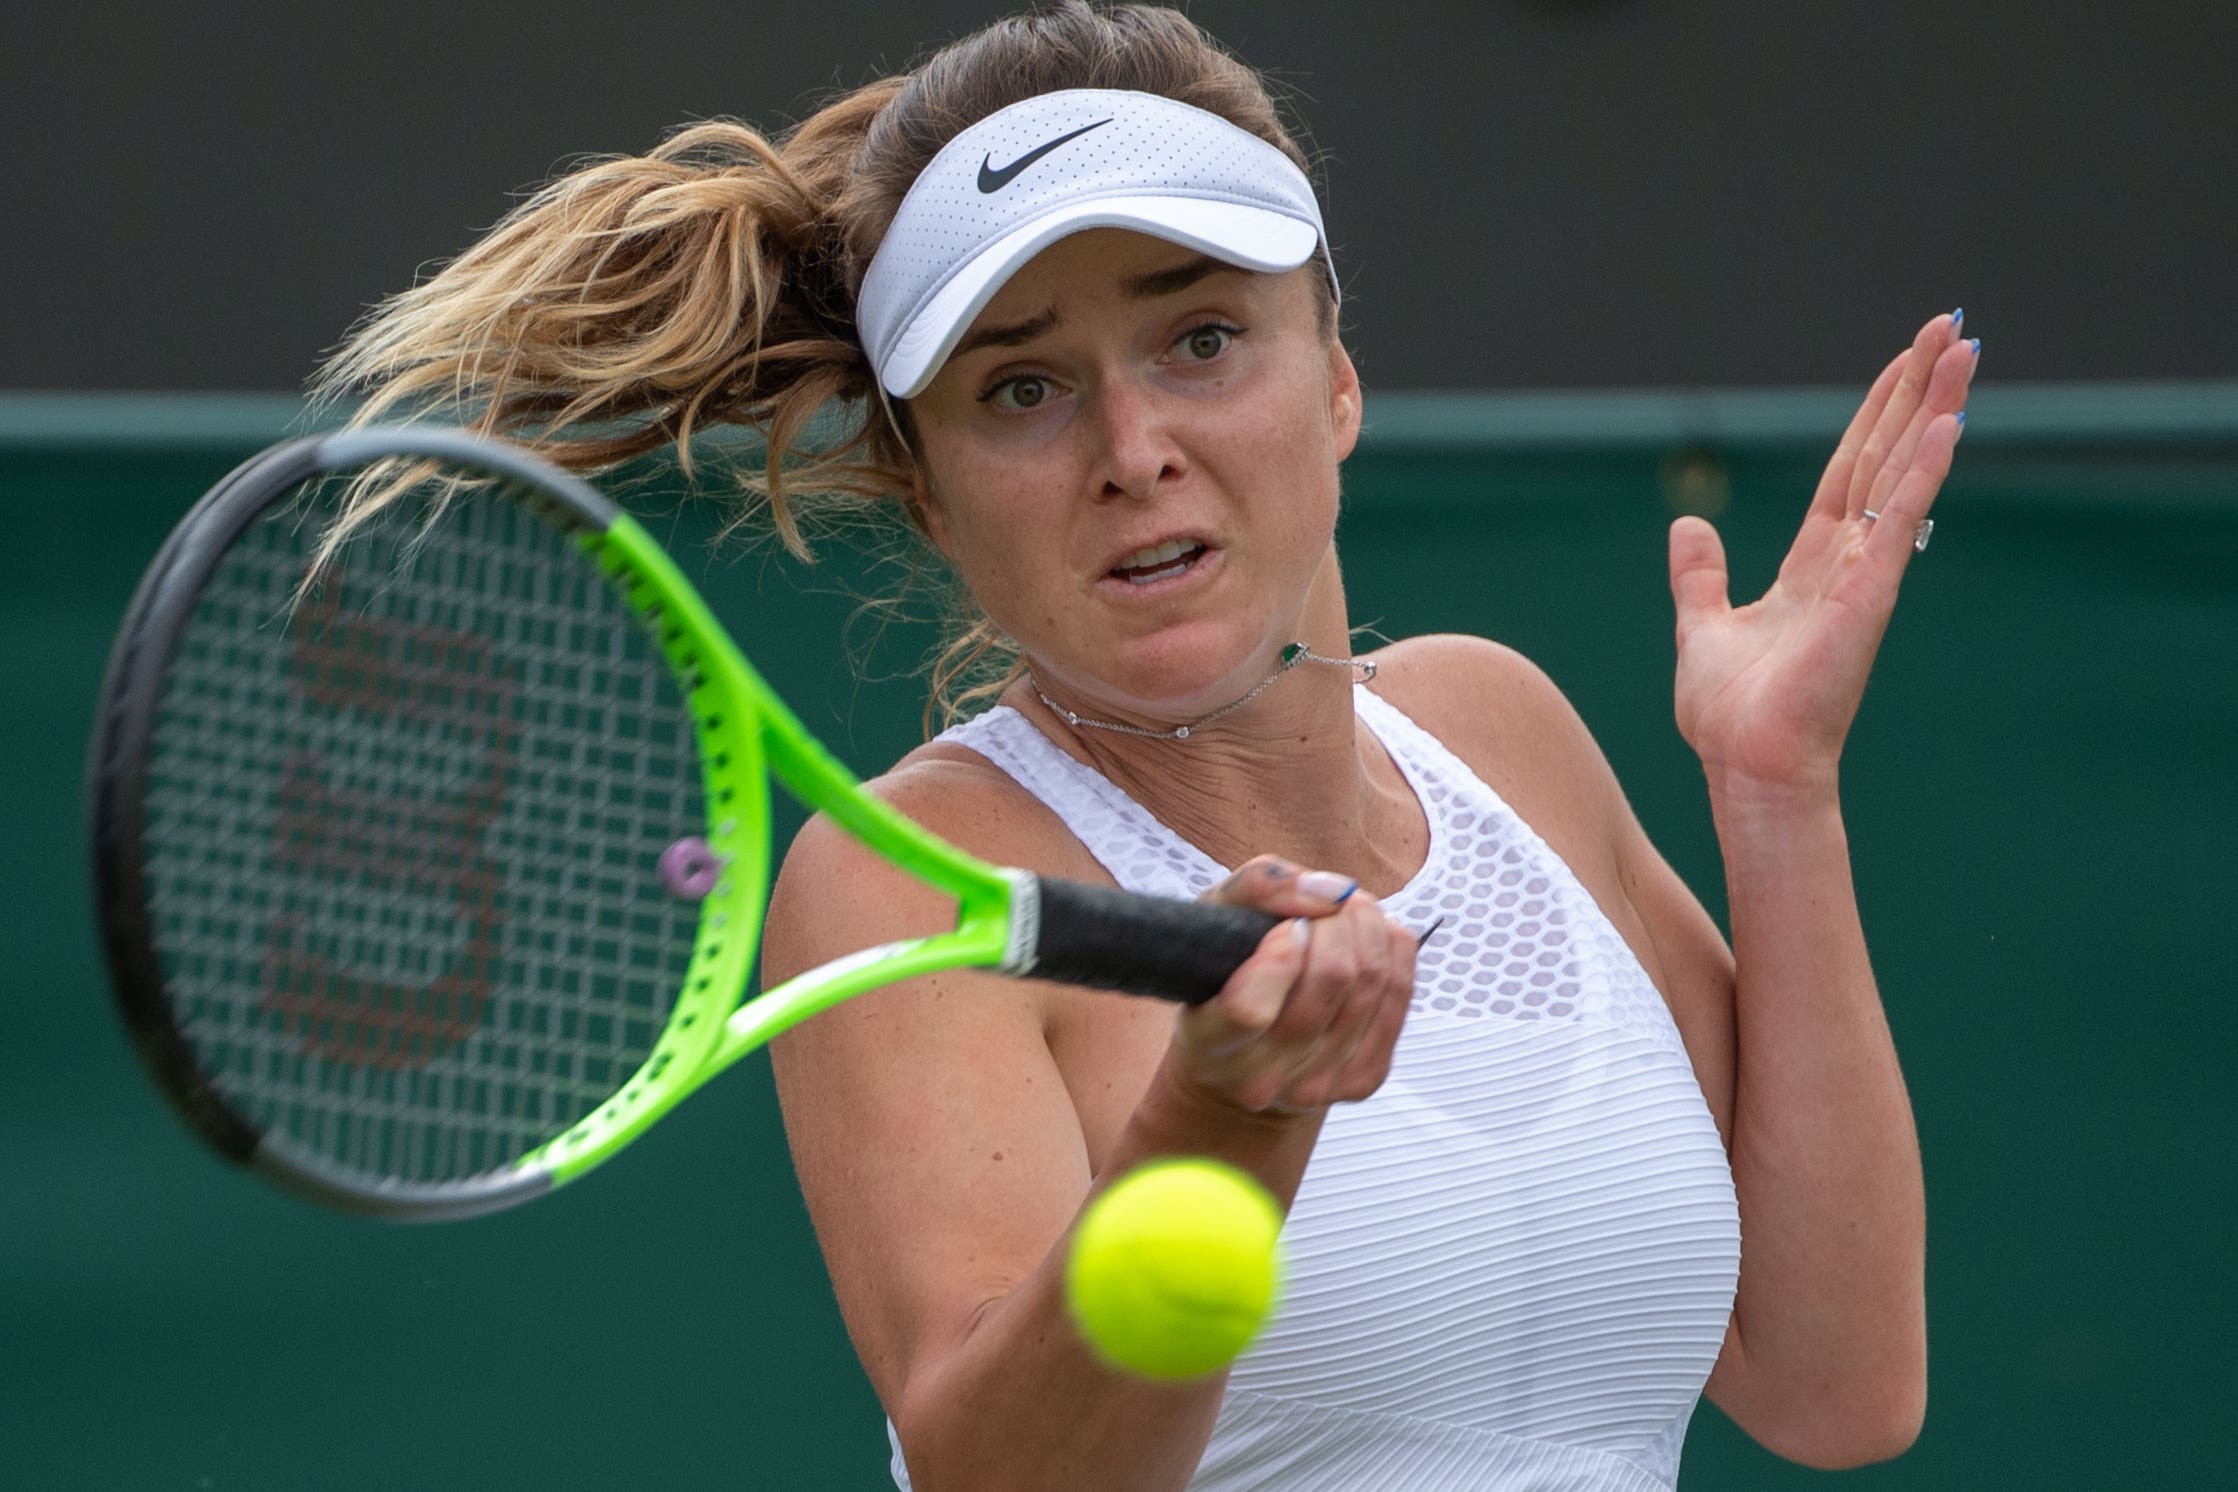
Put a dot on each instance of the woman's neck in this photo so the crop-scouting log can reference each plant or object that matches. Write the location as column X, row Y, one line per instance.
column 1291, row 773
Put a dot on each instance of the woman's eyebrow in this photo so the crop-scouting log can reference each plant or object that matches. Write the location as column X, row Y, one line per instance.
column 1148, row 286
column 1008, row 336
column 1167, row 281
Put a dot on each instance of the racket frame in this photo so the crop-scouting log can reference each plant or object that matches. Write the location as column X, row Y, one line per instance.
column 745, row 734
column 742, row 730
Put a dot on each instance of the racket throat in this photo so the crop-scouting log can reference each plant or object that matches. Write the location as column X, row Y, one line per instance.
column 1022, row 939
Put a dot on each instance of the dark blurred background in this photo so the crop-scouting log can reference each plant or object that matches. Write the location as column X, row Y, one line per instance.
column 1605, row 260
column 1522, row 193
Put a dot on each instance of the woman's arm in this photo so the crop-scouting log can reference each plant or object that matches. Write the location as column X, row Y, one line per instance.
column 1826, row 1361
column 1826, row 1358
column 944, row 1161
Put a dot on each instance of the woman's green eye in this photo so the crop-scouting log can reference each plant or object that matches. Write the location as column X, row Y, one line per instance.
column 1207, row 342
column 1021, row 393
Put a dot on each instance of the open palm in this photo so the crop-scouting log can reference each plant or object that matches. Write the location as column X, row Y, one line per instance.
column 1766, row 692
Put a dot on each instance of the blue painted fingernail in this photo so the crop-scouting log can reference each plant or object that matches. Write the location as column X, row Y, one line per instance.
column 1977, row 347
column 1962, row 421
column 1957, row 320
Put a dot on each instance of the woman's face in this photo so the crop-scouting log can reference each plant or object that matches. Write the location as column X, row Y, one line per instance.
column 1120, row 399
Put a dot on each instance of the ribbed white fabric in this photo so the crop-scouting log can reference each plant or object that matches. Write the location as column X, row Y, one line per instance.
column 1512, row 1267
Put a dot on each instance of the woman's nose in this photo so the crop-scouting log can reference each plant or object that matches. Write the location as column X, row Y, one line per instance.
column 1139, row 451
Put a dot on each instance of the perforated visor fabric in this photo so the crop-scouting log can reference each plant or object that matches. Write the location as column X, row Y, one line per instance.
column 1055, row 164
column 403, row 844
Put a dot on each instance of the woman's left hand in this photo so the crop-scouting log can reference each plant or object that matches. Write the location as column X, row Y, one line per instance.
column 1766, row 692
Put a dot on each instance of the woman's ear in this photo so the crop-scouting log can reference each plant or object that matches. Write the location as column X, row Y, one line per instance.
column 1344, row 398
column 930, row 517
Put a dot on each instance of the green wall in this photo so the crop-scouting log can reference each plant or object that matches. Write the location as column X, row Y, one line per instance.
column 2039, row 802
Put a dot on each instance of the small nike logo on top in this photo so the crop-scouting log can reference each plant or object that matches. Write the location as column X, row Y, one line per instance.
column 992, row 180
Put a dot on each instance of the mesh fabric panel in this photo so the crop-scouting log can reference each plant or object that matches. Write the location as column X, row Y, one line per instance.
column 403, row 842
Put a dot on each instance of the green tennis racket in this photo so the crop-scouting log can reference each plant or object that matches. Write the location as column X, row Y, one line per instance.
column 430, row 879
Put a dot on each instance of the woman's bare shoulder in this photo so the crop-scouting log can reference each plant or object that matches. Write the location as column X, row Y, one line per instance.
column 974, row 804
column 1481, row 698
column 1513, row 727
column 833, row 892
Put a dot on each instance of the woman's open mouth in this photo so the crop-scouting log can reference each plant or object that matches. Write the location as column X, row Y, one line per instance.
column 1159, row 562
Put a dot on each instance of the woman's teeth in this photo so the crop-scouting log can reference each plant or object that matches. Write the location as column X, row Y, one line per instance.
column 1158, row 562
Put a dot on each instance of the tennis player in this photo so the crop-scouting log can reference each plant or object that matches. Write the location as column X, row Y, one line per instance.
column 1550, row 1176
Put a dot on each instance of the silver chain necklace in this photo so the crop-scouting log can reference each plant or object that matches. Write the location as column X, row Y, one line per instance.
column 1293, row 655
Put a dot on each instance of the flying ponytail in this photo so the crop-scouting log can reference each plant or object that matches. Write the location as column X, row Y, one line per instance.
column 638, row 300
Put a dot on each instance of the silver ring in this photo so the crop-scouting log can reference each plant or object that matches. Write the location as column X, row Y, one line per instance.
column 1919, row 539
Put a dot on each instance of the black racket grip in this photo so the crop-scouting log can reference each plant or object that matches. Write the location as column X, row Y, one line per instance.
column 1142, row 945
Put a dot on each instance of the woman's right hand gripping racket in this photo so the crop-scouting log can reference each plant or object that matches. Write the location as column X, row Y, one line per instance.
column 431, row 877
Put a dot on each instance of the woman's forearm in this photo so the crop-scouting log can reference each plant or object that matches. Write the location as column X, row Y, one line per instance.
column 1831, row 1314
column 1021, row 1402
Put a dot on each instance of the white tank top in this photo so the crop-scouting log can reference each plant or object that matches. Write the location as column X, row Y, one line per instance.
column 1512, row 1267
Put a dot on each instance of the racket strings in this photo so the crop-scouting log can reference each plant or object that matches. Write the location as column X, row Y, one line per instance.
column 403, row 843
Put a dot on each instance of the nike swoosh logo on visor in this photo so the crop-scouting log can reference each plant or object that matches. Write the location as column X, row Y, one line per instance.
column 992, row 180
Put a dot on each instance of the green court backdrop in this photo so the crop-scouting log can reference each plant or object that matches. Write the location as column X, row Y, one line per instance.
column 2040, row 803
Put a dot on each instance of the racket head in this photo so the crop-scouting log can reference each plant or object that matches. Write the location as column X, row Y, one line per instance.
column 434, row 889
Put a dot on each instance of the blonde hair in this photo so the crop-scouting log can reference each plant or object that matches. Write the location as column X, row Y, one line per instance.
column 639, row 300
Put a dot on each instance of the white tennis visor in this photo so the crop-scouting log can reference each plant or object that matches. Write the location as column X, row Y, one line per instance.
column 1054, row 165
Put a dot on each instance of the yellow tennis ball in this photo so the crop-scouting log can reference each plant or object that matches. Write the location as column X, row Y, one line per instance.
column 1174, row 1269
